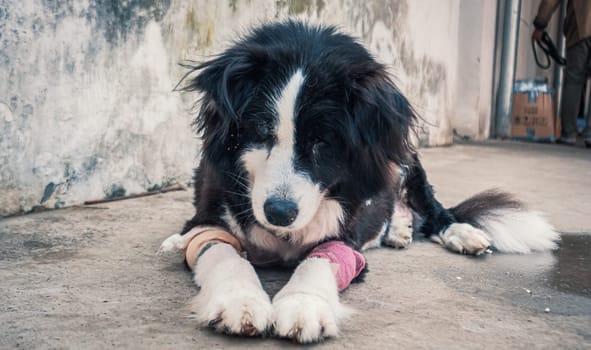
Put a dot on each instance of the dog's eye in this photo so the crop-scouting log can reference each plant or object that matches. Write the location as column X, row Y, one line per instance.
column 319, row 147
column 322, row 143
column 264, row 131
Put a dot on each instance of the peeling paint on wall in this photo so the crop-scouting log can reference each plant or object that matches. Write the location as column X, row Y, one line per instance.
column 86, row 103
column 86, row 108
column 393, row 29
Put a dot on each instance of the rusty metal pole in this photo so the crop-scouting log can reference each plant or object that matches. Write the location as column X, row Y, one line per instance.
column 558, row 69
column 507, row 70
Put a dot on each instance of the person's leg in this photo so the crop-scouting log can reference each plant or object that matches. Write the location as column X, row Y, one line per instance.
column 577, row 57
column 587, row 130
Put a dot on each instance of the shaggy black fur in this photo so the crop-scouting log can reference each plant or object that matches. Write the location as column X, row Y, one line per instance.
column 352, row 129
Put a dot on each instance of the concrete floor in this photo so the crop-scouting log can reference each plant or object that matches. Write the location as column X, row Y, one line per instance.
column 88, row 278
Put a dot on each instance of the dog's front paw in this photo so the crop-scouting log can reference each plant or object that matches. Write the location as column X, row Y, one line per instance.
column 464, row 239
column 234, row 310
column 306, row 318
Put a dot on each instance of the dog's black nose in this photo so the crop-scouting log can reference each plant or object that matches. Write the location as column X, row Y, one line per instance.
column 280, row 212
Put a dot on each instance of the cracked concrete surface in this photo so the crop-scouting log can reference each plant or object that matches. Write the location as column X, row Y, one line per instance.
column 88, row 277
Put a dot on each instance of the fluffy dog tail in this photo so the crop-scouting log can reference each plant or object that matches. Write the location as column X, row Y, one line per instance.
column 511, row 226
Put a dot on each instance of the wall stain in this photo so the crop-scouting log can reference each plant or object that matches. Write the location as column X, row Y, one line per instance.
column 234, row 5
column 115, row 191
column 299, row 7
column 48, row 192
column 193, row 25
column 119, row 19
column 432, row 74
column 190, row 21
column 158, row 187
column 427, row 76
column 393, row 14
column 209, row 34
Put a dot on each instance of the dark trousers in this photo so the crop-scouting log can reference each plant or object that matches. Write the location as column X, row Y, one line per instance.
column 578, row 62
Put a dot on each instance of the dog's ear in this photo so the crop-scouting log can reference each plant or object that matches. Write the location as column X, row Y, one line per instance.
column 383, row 120
column 227, row 83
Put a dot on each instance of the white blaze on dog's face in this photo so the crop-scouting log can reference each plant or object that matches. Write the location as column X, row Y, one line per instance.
column 286, row 200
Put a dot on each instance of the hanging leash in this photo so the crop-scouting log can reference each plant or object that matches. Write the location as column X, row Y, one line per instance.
column 550, row 51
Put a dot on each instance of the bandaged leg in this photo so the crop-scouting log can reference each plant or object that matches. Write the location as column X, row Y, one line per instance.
column 231, row 298
column 308, row 309
column 346, row 262
column 199, row 243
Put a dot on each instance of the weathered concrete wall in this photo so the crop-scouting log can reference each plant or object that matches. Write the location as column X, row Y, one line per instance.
column 86, row 108
column 475, row 69
column 417, row 39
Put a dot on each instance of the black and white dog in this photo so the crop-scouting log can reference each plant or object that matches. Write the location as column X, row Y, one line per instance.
column 306, row 140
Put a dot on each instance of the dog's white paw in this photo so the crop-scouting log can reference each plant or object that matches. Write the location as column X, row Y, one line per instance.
column 464, row 239
column 305, row 318
column 400, row 231
column 399, row 237
column 234, row 309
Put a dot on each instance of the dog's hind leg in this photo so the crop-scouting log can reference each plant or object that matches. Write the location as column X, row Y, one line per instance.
column 488, row 219
column 439, row 224
column 422, row 200
column 399, row 232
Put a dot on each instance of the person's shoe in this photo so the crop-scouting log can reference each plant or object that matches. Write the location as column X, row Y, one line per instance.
column 569, row 140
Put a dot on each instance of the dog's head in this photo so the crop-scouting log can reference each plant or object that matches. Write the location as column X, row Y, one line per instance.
column 307, row 117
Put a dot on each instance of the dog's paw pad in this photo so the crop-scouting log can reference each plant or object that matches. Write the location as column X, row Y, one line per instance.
column 304, row 318
column 465, row 239
column 235, row 314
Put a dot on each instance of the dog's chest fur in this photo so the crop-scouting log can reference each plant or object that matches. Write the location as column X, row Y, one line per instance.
column 266, row 248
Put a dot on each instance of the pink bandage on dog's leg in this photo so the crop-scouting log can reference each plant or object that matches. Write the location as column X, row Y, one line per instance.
column 348, row 262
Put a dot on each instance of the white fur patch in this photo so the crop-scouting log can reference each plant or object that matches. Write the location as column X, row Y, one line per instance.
column 288, row 246
column 307, row 309
column 274, row 248
column 326, row 223
column 231, row 299
column 172, row 243
column 463, row 239
column 285, row 105
column 179, row 242
column 400, row 233
column 272, row 173
column 508, row 230
column 519, row 231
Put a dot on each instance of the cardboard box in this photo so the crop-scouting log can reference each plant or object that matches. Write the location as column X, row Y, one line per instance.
column 533, row 116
